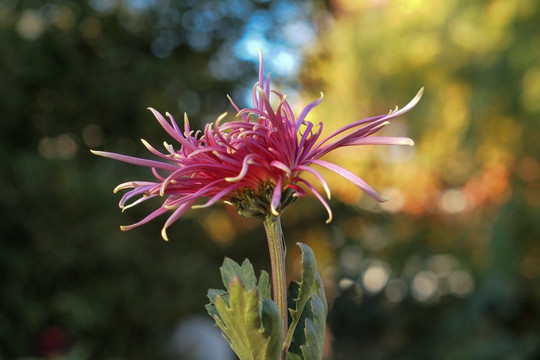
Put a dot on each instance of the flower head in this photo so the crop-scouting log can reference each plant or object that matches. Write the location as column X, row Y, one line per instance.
column 255, row 163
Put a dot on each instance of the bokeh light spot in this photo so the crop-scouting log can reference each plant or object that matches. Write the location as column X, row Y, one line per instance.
column 396, row 290
column 532, row 194
column 424, row 286
column 65, row 18
column 442, row 265
column 219, row 226
column 285, row 63
column 104, row 6
column 47, row 148
column 138, row 5
column 198, row 40
column 375, row 276
column 30, row 24
column 92, row 135
column 528, row 169
column 299, row 33
column 453, row 201
column 350, row 260
column 64, row 146
column 90, row 28
column 395, row 202
column 530, row 97
column 460, row 283
column 345, row 284
column 375, row 238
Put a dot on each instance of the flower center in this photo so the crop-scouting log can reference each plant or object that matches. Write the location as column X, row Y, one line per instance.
column 250, row 203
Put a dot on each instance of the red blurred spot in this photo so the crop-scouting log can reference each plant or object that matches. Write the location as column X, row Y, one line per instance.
column 53, row 340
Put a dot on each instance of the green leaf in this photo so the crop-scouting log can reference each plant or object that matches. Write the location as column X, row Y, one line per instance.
column 211, row 310
column 315, row 330
column 302, row 292
column 309, row 273
column 264, row 286
column 249, row 319
column 253, row 335
column 272, row 328
column 309, row 308
column 212, row 293
column 294, row 356
column 230, row 269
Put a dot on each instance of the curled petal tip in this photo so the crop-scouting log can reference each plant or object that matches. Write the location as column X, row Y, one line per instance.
column 221, row 117
column 164, row 234
column 418, row 96
column 97, row 152
column 123, row 186
column 123, row 228
column 327, row 191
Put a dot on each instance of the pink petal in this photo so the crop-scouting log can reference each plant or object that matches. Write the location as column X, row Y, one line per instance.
column 320, row 198
column 351, row 177
column 136, row 161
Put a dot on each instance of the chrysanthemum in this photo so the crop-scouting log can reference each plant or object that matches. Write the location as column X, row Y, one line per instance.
column 255, row 163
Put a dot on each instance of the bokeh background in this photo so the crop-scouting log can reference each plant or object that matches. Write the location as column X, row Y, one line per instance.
column 448, row 268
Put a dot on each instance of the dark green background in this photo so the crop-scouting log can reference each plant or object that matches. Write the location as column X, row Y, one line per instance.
column 65, row 264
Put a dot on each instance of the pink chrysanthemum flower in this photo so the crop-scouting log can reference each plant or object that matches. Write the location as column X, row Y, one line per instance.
column 255, row 163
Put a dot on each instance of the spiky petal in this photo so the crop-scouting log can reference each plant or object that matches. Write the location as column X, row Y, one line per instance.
column 255, row 163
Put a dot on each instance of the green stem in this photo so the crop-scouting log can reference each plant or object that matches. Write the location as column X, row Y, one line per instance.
column 276, row 246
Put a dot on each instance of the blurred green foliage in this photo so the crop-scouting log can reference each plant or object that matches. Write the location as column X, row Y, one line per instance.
column 77, row 75
column 448, row 269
